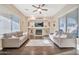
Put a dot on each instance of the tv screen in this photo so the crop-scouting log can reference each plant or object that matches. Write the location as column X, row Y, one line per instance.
column 39, row 24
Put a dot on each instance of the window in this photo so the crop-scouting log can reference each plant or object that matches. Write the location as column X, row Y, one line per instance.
column 72, row 22
column 15, row 23
column 8, row 25
column 5, row 25
column 62, row 24
column 68, row 23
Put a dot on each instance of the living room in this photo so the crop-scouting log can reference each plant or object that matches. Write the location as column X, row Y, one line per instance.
column 32, row 29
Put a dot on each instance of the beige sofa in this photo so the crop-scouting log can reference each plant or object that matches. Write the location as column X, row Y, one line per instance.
column 64, row 40
column 14, row 40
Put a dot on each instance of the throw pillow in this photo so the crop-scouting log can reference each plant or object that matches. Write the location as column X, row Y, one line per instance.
column 13, row 36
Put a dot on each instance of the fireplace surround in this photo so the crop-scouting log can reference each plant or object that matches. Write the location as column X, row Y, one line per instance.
column 38, row 32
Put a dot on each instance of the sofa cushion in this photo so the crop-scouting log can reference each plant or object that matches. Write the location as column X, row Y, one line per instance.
column 63, row 36
column 7, row 35
column 13, row 36
column 25, row 33
column 19, row 34
column 21, row 38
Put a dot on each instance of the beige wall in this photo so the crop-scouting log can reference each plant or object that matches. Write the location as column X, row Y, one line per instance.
column 51, row 23
column 10, row 9
column 62, row 12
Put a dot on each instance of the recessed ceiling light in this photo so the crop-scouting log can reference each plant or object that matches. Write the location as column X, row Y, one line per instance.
column 39, row 10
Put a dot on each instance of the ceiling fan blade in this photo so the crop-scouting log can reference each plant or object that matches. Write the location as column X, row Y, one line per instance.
column 43, row 5
column 34, row 6
column 34, row 10
column 45, row 9
column 40, row 12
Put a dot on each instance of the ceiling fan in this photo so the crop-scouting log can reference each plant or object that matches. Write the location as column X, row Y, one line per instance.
column 39, row 8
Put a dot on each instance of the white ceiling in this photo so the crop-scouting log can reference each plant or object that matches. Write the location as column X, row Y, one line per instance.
column 27, row 9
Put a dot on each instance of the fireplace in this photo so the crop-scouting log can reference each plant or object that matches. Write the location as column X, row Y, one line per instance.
column 38, row 32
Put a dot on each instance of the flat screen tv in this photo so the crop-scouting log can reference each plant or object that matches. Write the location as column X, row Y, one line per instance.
column 38, row 24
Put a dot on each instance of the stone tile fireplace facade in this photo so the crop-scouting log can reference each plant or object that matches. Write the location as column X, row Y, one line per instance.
column 38, row 28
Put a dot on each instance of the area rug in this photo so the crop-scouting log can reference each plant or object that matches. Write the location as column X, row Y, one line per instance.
column 39, row 42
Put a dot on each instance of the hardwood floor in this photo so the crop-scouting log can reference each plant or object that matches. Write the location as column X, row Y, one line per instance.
column 38, row 50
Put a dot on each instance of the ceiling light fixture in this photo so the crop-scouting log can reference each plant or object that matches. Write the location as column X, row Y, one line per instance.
column 39, row 8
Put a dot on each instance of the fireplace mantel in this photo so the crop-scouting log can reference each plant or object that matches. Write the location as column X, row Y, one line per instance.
column 32, row 29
